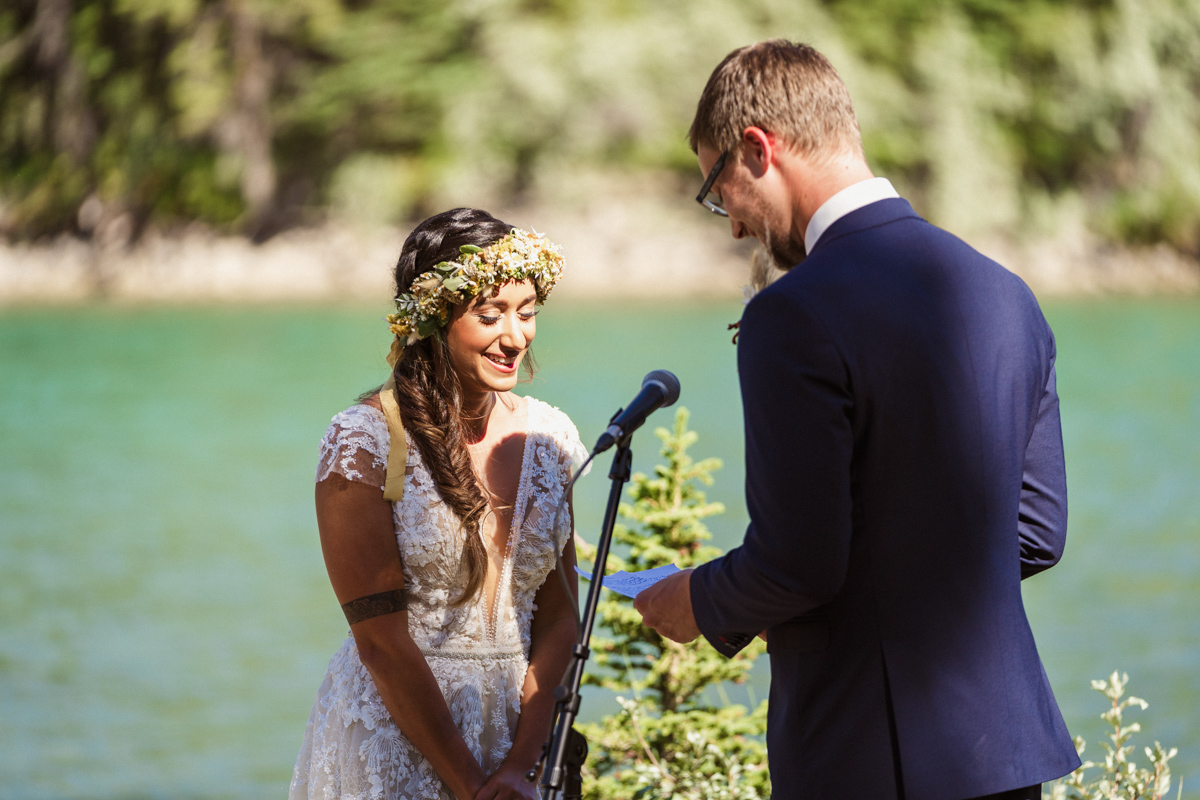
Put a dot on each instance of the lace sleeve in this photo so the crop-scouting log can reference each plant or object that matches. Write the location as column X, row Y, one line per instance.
column 355, row 446
column 574, row 455
column 573, row 446
column 572, row 452
column 556, row 459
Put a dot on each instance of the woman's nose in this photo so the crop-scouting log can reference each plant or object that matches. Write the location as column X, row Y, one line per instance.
column 512, row 335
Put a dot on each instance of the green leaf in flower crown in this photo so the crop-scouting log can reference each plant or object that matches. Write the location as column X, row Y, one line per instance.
column 426, row 327
column 470, row 249
column 446, row 266
column 452, row 284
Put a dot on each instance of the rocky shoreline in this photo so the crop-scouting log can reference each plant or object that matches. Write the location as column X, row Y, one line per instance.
column 647, row 250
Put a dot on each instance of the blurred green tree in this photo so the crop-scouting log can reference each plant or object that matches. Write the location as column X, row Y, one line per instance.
column 115, row 113
column 669, row 739
column 993, row 117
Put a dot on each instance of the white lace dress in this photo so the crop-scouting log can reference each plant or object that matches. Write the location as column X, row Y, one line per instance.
column 352, row 749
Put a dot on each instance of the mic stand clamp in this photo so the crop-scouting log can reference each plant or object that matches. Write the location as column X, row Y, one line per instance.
column 564, row 754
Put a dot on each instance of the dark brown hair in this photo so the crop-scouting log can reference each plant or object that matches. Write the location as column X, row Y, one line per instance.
column 428, row 390
column 787, row 88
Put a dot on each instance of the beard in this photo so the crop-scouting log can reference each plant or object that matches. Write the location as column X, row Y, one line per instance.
column 764, row 271
column 784, row 252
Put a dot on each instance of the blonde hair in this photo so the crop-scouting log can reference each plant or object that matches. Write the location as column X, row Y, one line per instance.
column 786, row 88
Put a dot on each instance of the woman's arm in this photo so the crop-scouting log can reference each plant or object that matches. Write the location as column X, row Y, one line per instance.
column 359, row 544
column 552, row 636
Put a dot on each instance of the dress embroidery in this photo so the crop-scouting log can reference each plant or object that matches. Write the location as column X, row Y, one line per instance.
column 352, row 748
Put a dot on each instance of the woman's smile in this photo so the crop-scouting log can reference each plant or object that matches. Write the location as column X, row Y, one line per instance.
column 503, row 363
column 489, row 336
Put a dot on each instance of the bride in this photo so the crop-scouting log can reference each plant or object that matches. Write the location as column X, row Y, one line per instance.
column 436, row 499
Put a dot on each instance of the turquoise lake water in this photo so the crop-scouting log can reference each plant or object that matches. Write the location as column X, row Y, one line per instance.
column 164, row 614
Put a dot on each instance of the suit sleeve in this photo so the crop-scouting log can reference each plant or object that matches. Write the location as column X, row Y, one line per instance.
column 1042, row 513
column 797, row 407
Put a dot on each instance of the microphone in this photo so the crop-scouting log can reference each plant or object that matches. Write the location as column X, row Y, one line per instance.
column 659, row 390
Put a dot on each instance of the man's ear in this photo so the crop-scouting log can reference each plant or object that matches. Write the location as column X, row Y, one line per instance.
column 758, row 150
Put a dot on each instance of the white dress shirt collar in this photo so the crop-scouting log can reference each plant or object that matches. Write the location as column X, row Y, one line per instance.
column 852, row 198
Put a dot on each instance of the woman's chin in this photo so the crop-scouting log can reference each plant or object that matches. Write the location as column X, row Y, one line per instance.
column 495, row 381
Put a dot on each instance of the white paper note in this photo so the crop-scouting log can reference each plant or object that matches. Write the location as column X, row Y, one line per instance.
column 630, row 583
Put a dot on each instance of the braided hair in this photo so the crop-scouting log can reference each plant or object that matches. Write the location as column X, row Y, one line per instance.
column 428, row 390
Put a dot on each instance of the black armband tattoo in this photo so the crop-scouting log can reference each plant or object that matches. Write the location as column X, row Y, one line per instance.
column 375, row 605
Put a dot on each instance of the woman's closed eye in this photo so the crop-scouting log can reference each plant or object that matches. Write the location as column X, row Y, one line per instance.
column 524, row 315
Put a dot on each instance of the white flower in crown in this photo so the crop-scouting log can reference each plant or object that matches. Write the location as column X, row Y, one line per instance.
column 518, row 256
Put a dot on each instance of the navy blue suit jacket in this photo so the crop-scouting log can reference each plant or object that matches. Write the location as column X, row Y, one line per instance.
column 904, row 472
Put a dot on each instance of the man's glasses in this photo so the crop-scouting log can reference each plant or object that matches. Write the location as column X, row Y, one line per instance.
column 714, row 204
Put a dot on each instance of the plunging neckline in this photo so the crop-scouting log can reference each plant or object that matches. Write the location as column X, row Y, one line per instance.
column 491, row 625
column 491, row 606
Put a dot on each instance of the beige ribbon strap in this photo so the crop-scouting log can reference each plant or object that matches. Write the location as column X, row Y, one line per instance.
column 393, row 486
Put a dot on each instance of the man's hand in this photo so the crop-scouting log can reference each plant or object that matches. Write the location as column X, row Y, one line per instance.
column 667, row 607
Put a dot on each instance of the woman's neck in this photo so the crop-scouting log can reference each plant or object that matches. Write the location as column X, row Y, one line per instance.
column 476, row 412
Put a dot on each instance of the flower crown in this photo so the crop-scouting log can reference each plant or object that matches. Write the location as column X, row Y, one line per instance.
column 518, row 256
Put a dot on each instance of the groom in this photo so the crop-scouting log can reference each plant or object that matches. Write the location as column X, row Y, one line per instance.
column 904, row 466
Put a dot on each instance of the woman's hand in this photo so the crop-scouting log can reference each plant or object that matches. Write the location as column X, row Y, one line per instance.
column 508, row 783
column 552, row 634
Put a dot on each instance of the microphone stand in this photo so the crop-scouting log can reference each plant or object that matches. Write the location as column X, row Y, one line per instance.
column 567, row 748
